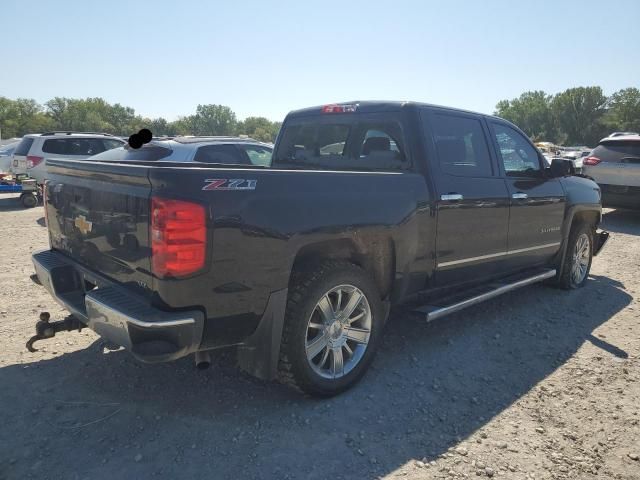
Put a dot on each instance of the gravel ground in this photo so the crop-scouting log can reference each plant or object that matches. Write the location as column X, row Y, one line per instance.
column 538, row 383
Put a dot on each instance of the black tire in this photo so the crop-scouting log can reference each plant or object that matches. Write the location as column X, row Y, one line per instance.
column 306, row 290
column 28, row 200
column 567, row 279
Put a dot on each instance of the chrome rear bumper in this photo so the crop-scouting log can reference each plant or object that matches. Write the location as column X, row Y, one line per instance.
column 152, row 335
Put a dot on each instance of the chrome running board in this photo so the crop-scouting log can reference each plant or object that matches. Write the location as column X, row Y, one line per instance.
column 434, row 312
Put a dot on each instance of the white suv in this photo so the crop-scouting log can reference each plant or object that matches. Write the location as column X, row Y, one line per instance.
column 33, row 149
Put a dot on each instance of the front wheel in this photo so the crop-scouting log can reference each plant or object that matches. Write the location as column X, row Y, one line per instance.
column 578, row 257
column 332, row 324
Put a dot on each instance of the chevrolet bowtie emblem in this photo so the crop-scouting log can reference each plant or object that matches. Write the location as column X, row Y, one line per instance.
column 82, row 224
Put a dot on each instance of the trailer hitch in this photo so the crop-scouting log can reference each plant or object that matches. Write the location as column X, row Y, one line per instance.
column 46, row 329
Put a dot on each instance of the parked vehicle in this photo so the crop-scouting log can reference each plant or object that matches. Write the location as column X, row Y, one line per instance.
column 29, row 155
column 30, row 193
column 6, row 156
column 615, row 165
column 576, row 155
column 548, row 148
column 622, row 134
column 297, row 264
column 220, row 150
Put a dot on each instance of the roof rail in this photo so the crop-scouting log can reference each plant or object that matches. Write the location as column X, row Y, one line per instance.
column 70, row 132
column 210, row 136
column 215, row 138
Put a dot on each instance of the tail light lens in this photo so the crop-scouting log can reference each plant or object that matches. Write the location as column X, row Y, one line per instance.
column 591, row 161
column 33, row 161
column 178, row 237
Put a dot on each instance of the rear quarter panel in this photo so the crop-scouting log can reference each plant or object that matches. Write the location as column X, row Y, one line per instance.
column 257, row 233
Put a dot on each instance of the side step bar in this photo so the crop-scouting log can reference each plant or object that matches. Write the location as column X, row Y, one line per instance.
column 434, row 312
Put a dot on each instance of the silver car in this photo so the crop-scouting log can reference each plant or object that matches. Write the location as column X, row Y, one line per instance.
column 218, row 150
column 6, row 156
column 615, row 166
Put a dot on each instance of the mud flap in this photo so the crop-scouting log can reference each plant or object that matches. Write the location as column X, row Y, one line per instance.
column 260, row 353
column 599, row 239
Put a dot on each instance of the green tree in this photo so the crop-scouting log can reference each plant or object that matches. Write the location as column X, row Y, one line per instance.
column 259, row 128
column 22, row 116
column 93, row 114
column 158, row 126
column 624, row 110
column 182, row 126
column 213, row 120
column 8, row 118
column 531, row 111
column 579, row 113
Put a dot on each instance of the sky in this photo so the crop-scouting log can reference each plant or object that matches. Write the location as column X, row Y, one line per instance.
column 261, row 58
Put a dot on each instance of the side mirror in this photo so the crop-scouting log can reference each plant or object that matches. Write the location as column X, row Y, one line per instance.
column 561, row 167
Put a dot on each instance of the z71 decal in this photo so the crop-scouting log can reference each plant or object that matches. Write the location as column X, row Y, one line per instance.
column 229, row 184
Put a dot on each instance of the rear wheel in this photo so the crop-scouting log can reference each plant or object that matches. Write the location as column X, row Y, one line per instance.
column 578, row 257
column 332, row 324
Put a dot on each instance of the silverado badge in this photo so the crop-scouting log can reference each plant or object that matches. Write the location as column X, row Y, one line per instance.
column 82, row 224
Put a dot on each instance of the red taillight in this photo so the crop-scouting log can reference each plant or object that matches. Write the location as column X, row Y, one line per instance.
column 178, row 237
column 591, row 161
column 335, row 108
column 33, row 161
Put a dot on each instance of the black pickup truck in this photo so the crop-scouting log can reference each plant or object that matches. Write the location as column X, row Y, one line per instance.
column 365, row 205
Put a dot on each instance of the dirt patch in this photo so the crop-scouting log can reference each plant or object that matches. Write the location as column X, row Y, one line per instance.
column 539, row 383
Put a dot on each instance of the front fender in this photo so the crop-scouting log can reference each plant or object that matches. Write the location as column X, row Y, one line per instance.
column 583, row 198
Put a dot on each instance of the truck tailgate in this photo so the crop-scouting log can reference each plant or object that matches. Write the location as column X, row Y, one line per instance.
column 98, row 214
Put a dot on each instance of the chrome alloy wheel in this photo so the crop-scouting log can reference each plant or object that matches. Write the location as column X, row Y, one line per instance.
column 338, row 331
column 580, row 259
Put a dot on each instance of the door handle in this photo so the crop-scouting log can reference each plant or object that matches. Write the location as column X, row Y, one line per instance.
column 451, row 197
column 519, row 196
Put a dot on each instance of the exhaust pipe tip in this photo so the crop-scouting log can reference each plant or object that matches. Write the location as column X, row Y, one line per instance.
column 203, row 360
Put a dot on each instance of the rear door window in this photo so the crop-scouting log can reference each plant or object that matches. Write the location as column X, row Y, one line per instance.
column 223, row 154
column 24, row 146
column 258, row 154
column 110, row 143
column 73, row 146
column 617, row 150
column 461, row 145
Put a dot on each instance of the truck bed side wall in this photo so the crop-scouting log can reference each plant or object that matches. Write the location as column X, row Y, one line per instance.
column 258, row 234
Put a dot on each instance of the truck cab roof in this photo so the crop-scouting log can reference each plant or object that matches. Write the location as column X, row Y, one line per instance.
column 376, row 106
